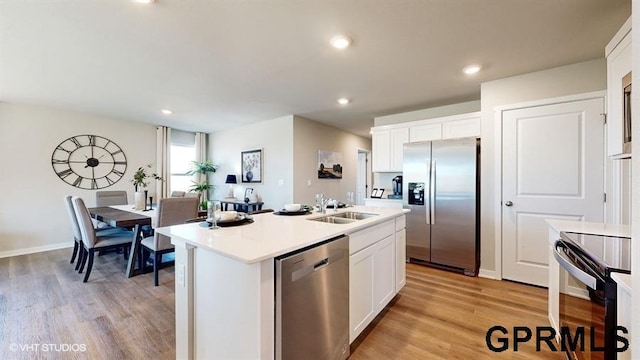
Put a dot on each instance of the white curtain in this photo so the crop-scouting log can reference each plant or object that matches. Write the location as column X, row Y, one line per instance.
column 163, row 152
column 201, row 155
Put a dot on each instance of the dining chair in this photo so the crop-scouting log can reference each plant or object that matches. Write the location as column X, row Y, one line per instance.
column 177, row 194
column 91, row 241
column 108, row 198
column 111, row 197
column 171, row 211
column 192, row 194
column 77, row 236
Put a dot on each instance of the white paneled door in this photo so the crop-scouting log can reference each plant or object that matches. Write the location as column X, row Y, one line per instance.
column 553, row 168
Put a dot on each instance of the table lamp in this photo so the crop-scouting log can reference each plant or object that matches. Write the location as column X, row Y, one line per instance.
column 231, row 179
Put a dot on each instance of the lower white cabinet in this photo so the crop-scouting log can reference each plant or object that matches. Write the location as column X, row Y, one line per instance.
column 401, row 259
column 375, row 275
column 371, row 283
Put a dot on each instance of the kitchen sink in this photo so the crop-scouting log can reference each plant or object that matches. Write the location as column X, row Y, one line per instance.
column 354, row 215
column 333, row 220
column 343, row 217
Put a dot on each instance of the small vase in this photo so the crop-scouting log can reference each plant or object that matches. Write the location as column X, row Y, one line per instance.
column 139, row 200
column 249, row 176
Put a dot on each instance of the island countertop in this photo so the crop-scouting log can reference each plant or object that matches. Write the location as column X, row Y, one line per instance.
column 272, row 235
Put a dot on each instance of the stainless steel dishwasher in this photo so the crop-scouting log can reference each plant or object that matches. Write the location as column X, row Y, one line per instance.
column 312, row 302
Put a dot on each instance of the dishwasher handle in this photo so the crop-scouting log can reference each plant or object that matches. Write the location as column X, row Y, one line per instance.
column 307, row 270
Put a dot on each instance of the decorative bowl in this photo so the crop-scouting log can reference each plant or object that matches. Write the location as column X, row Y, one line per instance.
column 292, row 207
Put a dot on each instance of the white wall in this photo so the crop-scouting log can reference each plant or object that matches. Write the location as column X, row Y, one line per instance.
column 430, row 113
column 275, row 138
column 32, row 212
column 561, row 81
column 635, row 187
column 311, row 136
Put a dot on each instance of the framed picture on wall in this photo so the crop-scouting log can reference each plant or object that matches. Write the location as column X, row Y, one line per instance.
column 251, row 161
column 377, row 193
column 329, row 165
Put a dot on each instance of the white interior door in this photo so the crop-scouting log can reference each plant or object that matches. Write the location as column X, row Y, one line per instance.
column 361, row 178
column 553, row 168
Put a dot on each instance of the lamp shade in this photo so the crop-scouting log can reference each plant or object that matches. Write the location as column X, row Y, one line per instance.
column 231, row 179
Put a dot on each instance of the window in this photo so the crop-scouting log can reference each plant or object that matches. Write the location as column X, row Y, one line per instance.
column 183, row 153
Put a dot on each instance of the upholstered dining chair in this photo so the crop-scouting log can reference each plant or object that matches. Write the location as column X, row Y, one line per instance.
column 111, row 197
column 171, row 211
column 91, row 241
column 177, row 194
column 77, row 236
column 192, row 194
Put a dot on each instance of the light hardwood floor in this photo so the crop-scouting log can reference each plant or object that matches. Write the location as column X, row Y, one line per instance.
column 438, row 315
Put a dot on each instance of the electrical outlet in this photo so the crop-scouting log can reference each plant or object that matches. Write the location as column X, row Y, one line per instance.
column 309, row 183
column 281, row 182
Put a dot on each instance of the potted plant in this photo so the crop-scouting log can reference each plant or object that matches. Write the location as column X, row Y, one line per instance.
column 140, row 180
column 202, row 186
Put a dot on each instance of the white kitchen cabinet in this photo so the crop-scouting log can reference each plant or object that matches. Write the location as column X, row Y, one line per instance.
column 372, row 274
column 384, row 274
column 401, row 253
column 361, row 292
column 387, row 148
column 619, row 62
column 388, row 140
column 425, row 132
column 461, row 128
column 381, row 150
column 624, row 283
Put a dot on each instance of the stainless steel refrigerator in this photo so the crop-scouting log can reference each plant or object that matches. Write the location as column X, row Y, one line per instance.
column 441, row 187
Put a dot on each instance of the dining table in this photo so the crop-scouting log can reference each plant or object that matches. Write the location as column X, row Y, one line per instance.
column 126, row 216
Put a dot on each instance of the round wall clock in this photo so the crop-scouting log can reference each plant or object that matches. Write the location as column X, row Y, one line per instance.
column 89, row 162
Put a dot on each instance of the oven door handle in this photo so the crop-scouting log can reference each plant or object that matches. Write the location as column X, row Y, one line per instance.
column 568, row 265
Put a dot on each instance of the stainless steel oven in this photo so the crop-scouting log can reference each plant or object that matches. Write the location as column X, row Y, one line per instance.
column 591, row 259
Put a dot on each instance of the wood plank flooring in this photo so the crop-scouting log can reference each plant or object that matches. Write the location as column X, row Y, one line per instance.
column 438, row 315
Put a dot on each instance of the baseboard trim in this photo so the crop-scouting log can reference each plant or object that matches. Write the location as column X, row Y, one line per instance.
column 33, row 250
column 489, row 274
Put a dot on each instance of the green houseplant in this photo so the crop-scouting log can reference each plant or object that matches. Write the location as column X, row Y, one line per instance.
column 202, row 186
column 141, row 178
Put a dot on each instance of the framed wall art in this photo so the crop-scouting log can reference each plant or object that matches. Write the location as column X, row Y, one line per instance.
column 251, row 161
column 329, row 165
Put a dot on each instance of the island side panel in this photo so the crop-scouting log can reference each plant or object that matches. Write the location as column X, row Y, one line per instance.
column 184, row 254
column 233, row 307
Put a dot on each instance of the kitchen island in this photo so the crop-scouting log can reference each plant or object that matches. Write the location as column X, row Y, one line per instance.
column 225, row 282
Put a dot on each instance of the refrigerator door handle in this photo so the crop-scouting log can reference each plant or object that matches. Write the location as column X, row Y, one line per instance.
column 432, row 192
column 427, row 193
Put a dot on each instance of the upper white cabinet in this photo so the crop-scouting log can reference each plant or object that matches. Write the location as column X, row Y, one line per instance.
column 461, row 128
column 388, row 140
column 387, row 148
column 425, row 132
column 619, row 62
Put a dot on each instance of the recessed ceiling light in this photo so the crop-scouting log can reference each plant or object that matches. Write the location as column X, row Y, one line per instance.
column 343, row 101
column 340, row 41
column 143, row 1
column 166, row 111
column 471, row 69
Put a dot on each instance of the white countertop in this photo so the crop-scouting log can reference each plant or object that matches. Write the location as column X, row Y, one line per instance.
column 272, row 235
column 590, row 228
column 623, row 280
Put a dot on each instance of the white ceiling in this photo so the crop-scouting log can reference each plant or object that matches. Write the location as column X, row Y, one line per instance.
column 224, row 63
